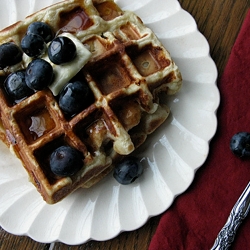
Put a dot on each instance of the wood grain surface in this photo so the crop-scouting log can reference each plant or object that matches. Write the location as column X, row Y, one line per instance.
column 219, row 21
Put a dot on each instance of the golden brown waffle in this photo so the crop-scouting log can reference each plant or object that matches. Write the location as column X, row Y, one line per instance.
column 126, row 69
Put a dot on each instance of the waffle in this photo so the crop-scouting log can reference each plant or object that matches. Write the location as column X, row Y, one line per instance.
column 126, row 68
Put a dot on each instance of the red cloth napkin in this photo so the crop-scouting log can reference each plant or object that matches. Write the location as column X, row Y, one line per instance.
column 196, row 217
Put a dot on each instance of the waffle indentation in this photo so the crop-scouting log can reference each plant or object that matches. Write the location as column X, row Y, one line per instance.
column 111, row 74
column 108, row 10
column 74, row 20
column 149, row 59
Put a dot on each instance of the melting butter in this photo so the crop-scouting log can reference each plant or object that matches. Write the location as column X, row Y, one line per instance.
column 64, row 72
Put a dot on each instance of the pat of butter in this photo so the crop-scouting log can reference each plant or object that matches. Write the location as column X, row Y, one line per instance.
column 64, row 72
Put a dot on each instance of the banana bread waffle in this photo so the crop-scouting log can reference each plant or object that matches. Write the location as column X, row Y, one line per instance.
column 126, row 68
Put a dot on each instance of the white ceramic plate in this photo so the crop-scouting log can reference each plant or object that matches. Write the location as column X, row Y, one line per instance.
column 170, row 157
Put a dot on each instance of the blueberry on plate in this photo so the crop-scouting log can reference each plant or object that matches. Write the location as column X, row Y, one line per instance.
column 10, row 54
column 66, row 161
column 240, row 144
column 128, row 170
column 61, row 50
column 16, row 87
column 39, row 74
column 33, row 45
column 42, row 29
column 75, row 97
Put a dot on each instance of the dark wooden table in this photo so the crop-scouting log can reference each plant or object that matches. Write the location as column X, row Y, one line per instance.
column 219, row 21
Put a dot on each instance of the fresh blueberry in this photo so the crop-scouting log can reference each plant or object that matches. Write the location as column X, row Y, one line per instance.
column 240, row 144
column 75, row 97
column 61, row 50
column 10, row 54
column 128, row 170
column 39, row 74
column 65, row 161
column 33, row 45
column 42, row 29
column 15, row 86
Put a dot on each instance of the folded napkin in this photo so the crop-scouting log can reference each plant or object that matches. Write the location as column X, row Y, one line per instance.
column 196, row 217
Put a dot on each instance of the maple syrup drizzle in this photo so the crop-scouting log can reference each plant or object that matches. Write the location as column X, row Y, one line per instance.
column 75, row 20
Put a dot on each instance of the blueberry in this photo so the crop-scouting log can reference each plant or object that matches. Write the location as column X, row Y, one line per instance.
column 75, row 97
column 16, row 87
column 42, row 29
column 128, row 170
column 39, row 74
column 240, row 144
column 65, row 161
column 10, row 54
column 33, row 45
column 61, row 50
